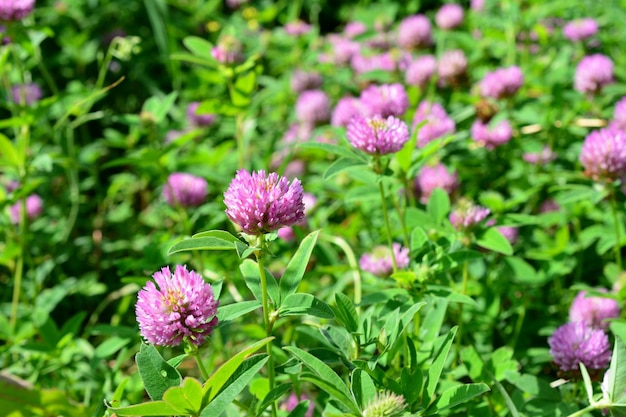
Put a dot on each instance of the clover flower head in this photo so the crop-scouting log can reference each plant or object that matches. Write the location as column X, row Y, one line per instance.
column 593, row 73
column 182, row 307
column 305, row 80
column 293, row 401
column 580, row 29
column 228, row 50
column 346, row 108
column 576, row 342
column 343, row 50
column 361, row 63
column 29, row 92
column 353, row 29
column 436, row 176
column 593, row 310
column 603, row 154
column 379, row 262
column 34, row 208
column 415, row 32
column 452, row 67
column 619, row 115
column 468, row 215
column 260, row 203
column 184, row 189
column 196, row 118
column 14, row 10
column 540, row 158
column 491, row 135
column 502, row 83
column 510, row 233
column 420, row 71
column 377, row 135
column 297, row 28
column 438, row 123
column 313, row 106
column 449, row 16
column 385, row 100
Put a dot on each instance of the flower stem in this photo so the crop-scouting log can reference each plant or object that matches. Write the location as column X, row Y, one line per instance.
column 266, row 318
column 459, row 333
column 203, row 371
column 618, row 235
column 387, row 226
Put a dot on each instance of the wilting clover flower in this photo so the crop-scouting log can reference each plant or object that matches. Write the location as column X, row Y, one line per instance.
column 593, row 310
column 576, row 342
column 491, row 135
column 185, row 190
column 449, row 16
column 386, row 404
column 313, row 106
column 293, row 401
column 261, row 203
column 30, row 93
column 228, row 50
column 379, row 261
column 468, row 215
column 13, row 10
column 502, row 83
column 304, row 80
column 421, row 70
column 377, row 135
column 438, row 123
column 415, row 32
column 580, row 29
column 619, row 115
column 196, row 118
column 603, row 154
column 540, row 158
column 34, row 208
column 431, row 177
column 452, row 67
column 346, row 108
column 593, row 72
column 385, row 100
column 182, row 307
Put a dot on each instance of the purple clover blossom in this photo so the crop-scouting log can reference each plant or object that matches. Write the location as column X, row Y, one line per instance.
column 298, row 132
column 575, row 342
column 14, row 10
column 415, row 32
column 421, row 70
column 377, row 135
column 477, row 5
column 468, row 215
column 449, row 16
column 619, row 115
column 540, row 158
column 510, row 233
column 313, row 107
column 354, row 29
column 297, row 28
column 343, row 50
column 502, row 83
column 34, row 208
column 199, row 119
column 593, row 73
column 431, row 177
column 491, row 135
column 593, row 310
column 183, row 307
column 184, row 189
column 362, row 64
column 228, row 51
column 603, row 154
column 385, row 100
column 452, row 67
column 303, row 80
column 549, row 206
column 438, row 123
column 346, row 108
column 293, row 401
column 580, row 29
column 261, row 203
column 30, row 93
column 379, row 261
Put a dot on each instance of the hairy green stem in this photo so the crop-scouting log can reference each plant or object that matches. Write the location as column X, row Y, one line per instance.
column 618, row 235
column 387, row 226
column 266, row 318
